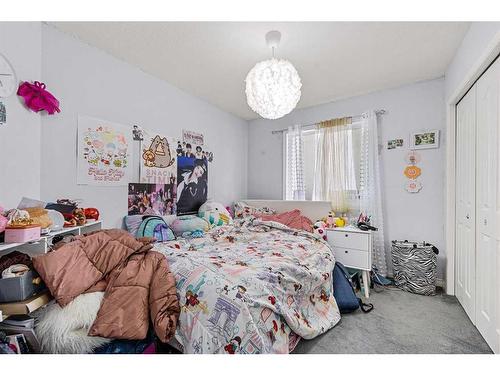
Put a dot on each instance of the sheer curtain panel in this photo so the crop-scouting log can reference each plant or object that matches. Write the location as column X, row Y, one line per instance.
column 295, row 188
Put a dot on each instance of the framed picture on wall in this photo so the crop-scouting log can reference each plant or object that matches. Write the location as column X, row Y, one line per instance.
column 425, row 139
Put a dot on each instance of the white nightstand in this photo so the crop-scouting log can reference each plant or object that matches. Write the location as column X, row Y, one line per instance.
column 353, row 248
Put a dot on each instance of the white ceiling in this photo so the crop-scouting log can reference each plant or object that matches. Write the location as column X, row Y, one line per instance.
column 334, row 59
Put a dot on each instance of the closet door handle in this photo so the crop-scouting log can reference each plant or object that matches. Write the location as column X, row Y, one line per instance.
column 467, row 216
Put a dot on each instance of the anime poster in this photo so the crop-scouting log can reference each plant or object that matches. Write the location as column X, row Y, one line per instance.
column 104, row 153
column 158, row 164
column 192, row 184
column 151, row 199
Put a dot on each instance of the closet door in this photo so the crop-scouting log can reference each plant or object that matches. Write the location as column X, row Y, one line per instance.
column 487, row 198
column 465, row 238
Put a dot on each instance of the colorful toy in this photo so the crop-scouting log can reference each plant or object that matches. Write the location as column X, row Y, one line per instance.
column 215, row 214
column 189, row 224
column 330, row 220
column 319, row 228
column 339, row 222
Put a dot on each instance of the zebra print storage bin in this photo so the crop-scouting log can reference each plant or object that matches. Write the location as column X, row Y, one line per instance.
column 414, row 265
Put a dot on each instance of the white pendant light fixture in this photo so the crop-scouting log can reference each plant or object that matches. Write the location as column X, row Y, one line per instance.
column 273, row 86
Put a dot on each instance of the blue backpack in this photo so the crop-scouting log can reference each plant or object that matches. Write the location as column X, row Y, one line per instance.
column 344, row 293
column 155, row 226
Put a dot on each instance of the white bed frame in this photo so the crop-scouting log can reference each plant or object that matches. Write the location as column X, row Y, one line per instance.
column 314, row 210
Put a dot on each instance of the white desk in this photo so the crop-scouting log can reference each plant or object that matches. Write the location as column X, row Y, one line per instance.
column 353, row 248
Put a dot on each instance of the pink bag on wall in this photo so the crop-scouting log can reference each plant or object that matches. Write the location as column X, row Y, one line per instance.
column 37, row 98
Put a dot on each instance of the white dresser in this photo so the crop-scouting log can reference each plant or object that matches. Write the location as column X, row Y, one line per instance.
column 353, row 248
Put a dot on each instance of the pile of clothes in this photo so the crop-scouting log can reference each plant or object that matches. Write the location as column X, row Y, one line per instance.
column 107, row 285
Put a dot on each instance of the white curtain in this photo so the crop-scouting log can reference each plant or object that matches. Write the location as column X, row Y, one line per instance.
column 295, row 188
column 369, row 186
column 334, row 175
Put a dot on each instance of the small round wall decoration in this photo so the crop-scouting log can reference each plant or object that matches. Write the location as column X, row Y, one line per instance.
column 412, row 172
column 413, row 186
column 413, row 157
column 8, row 79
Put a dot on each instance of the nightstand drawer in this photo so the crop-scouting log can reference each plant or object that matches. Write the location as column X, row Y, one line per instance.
column 352, row 258
column 351, row 240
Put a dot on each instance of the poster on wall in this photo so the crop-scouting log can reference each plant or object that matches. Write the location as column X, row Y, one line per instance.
column 158, row 164
column 192, row 184
column 193, row 145
column 192, row 138
column 104, row 152
column 151, row 199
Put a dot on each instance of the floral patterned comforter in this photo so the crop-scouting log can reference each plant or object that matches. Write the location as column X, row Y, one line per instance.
column 252, row 287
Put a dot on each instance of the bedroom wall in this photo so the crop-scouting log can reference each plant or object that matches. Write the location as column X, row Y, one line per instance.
column 91, row 82
column 20, row 42
column 474, row 44
column 409, row 108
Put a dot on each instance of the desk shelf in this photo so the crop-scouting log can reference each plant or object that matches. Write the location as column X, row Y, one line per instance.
column 42, row 245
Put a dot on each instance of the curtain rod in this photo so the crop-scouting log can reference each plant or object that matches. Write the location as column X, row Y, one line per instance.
column 378, row 112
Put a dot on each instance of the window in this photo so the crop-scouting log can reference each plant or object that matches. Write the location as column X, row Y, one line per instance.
column 330, row 159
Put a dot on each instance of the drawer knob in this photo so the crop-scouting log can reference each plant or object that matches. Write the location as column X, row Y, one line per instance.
column 347, row 235
column 346, row 251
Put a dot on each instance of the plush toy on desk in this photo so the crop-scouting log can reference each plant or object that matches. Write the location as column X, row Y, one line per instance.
column 319, row 228
column 215, row 214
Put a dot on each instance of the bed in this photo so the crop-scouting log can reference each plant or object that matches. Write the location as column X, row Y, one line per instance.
column 252, row 287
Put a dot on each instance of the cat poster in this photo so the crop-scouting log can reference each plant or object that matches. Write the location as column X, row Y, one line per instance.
column 105, row 153
column 158, row 164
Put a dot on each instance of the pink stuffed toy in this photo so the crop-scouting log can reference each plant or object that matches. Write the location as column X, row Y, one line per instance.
column 37, row 98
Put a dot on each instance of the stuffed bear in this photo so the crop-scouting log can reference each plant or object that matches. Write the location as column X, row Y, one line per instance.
column 215, row 214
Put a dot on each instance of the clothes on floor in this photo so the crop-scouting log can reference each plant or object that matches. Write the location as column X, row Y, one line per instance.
column 137, row 282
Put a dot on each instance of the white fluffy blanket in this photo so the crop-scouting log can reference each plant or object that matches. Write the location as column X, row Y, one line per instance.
column 65, row 330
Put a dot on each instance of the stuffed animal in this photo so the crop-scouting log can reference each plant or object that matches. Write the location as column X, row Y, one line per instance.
column 319, row 228
column 188, row 223
column 330, row 220
column 215, row 214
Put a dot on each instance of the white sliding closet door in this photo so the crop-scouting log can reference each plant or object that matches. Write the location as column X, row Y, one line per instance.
column 465, row 266
column 487, row 199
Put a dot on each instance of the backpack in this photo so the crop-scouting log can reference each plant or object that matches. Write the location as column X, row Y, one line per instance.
column 344, row 293
column 155, row 226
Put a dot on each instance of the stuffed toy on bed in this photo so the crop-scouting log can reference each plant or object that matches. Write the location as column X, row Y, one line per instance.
column 319, row 228
column 189, row 224
column 215, row 214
